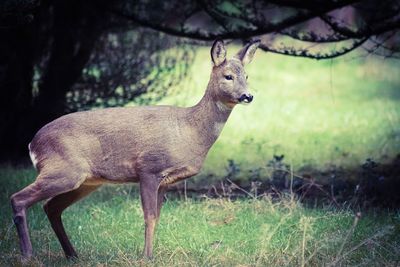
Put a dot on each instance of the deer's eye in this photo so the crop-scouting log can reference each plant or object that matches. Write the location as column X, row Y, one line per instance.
column 247, row 76
column 229, row 77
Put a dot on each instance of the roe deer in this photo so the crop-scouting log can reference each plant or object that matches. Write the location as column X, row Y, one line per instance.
column 154, row 146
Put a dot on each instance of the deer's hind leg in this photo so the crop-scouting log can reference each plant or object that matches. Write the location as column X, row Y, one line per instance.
column 54, row 208
column 46, row 186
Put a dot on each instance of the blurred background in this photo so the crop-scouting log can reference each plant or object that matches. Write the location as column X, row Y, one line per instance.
column 325, row 79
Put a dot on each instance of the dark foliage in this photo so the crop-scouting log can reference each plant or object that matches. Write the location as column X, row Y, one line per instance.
column 289, row 27
column 369, row 186
column 64, row 56
column 123, row 68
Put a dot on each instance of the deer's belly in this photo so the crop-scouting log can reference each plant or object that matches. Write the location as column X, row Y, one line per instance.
column 92, row 181
column 115, row 171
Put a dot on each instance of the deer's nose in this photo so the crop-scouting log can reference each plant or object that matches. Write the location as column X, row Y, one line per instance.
column 246, row 98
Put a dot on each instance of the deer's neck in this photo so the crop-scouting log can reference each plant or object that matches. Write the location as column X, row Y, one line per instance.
column 208, row 117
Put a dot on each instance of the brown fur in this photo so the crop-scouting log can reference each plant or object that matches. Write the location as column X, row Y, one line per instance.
column 155, row 146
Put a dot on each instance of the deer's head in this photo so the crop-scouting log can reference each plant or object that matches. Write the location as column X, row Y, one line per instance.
column 228, row 78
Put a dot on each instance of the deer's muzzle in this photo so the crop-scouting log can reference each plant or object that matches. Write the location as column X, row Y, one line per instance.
column 245, row 98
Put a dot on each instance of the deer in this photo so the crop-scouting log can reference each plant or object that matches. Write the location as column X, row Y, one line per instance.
column 154, row 146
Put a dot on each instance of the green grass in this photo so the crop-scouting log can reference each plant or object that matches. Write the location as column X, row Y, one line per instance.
column 318, row 113
column 107, row 229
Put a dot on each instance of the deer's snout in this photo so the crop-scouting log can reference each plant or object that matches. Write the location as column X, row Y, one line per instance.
column 246, row 98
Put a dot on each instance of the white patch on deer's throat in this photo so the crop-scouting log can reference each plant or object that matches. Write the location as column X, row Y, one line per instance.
column 33, row 157
column 222, row 107
column 218, row 126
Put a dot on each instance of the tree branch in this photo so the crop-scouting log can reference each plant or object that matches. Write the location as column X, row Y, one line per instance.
column 290, row 51
column 236, row 34
column 314, row 38
column 360, row 33
column 311, row 5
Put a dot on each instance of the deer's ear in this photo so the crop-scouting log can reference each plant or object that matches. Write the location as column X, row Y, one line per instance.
column 218, row 52
column 246, row 54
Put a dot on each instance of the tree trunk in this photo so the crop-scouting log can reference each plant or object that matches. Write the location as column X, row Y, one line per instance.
column 16, row 65
column 75, row 27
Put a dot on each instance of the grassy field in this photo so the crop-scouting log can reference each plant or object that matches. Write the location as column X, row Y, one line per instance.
column 317, row 113
column 107, row 229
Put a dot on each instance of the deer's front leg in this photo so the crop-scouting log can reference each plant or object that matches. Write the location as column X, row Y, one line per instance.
column 151, row 195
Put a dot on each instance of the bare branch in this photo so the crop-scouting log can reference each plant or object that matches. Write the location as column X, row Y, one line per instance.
column 290, row 51
column 300, row 17
column 311, row 37
column 234, row 19
column 360, row 33
column 310, row 5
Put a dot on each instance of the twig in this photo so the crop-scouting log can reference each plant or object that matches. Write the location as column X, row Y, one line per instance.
column 241, row 189
column 185, row 190
column 349, row 233
column 366, row 241
column 303, row 245
column 291, row 181
column 310, row 184
column 223, row 189
column 216, row 191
